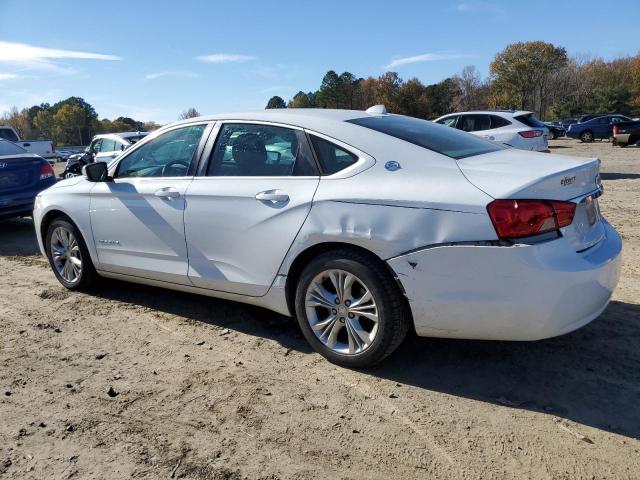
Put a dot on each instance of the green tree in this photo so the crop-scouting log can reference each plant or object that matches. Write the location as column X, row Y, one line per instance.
column 43, row 121
column 69, row 123
column 303, row 100
column 276, row 102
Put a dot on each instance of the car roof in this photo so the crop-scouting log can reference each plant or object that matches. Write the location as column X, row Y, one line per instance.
column 120, row 135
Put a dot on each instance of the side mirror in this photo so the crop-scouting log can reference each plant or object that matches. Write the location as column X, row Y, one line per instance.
column 96, row 172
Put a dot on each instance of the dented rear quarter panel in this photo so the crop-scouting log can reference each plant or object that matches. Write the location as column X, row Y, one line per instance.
column 427, row 201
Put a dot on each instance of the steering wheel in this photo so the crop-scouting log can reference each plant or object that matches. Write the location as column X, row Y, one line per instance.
column 171, row 164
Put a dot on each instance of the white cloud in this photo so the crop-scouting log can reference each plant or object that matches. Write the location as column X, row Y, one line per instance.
column 224, row 58
column 26, row 56
column 486, row 7
column 7, row 76
column 425, row 57
column 171, row 73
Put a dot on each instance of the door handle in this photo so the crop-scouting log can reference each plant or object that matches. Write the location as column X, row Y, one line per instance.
column 272, row 196
column 168, row 193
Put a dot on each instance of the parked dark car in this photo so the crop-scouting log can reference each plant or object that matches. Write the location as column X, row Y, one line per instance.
column 555, row 130
column 568, row 121
column 22, row 176
column 596, row 128
column 626, row 133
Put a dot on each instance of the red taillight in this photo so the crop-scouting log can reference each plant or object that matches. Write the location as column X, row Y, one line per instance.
column 530, row 133
column 46, row 171
column 525, row 218
column 616, row 129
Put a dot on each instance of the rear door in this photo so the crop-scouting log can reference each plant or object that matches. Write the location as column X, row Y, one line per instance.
column 137, row 219
column 246, row 206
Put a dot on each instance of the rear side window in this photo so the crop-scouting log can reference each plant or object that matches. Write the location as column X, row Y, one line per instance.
column 8, row 135
column 256, row 150
column 530, row 120
column 497, row 122
column 331, row 157
column 8, row 148
column 475, row 123
column 438, row 138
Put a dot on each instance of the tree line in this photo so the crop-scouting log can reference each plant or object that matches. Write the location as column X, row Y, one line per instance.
column 69, row 122
column 535, row 76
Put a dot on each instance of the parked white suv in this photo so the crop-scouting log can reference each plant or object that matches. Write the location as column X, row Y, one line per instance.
column 103, row 148
column 516, row 128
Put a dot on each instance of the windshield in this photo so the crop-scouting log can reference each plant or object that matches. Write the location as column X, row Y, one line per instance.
column 8, row 148
column 445, row 140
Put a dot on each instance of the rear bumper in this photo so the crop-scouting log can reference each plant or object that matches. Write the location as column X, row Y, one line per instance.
column 526, row 292
column 20, row 204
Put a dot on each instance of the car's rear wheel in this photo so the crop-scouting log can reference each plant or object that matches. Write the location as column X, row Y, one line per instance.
column 552, row 135
column 350, row 309
column 68, row 255
column 586, row 137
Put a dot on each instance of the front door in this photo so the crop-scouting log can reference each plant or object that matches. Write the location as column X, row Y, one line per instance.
column 245, row 210
column 138, row 219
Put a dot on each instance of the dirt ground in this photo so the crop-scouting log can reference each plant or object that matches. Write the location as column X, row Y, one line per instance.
column 140, row 382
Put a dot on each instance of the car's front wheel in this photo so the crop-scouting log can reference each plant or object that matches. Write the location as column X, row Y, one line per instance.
column 350, row 308
column 68, row 255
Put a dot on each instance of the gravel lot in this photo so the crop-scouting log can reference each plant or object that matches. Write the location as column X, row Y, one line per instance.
column 142, row 382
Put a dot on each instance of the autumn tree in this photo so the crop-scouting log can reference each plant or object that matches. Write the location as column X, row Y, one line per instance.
column 189, row 113
column 522, row 72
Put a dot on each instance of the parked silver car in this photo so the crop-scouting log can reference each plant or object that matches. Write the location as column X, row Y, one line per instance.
column 361, row 224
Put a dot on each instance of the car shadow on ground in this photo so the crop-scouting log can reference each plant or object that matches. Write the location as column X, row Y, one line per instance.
column 591, row 376
column 17, row 238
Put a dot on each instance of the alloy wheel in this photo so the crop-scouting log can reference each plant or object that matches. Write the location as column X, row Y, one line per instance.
column 66, row 255
column 342, row 312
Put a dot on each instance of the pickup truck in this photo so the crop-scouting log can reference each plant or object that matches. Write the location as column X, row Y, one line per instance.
column 44, row 148
column 626, row 133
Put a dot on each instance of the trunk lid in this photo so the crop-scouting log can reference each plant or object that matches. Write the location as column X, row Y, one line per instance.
column 19, row 172
column 515, row 173
column 519, row 174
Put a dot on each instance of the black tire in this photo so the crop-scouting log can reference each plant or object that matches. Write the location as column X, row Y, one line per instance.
column 552, row 135
column 586, row 136
column 87, row 276
column 393, row 318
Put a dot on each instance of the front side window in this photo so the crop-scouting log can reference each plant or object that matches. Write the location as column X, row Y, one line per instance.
column 95, row 146
column 252, row 150
column 448, row 121
column 332, row 158
column 107, row 145
column 169, row 155
column 446, row 141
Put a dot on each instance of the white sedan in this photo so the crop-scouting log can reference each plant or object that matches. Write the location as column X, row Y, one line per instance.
column 364, row 225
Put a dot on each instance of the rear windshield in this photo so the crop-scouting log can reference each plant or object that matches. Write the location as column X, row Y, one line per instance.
column 445, row 140
column 530, row 120
column 8, row 135
column 8, row 148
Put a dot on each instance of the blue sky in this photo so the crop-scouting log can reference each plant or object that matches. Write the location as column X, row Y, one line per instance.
column 153, row 59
